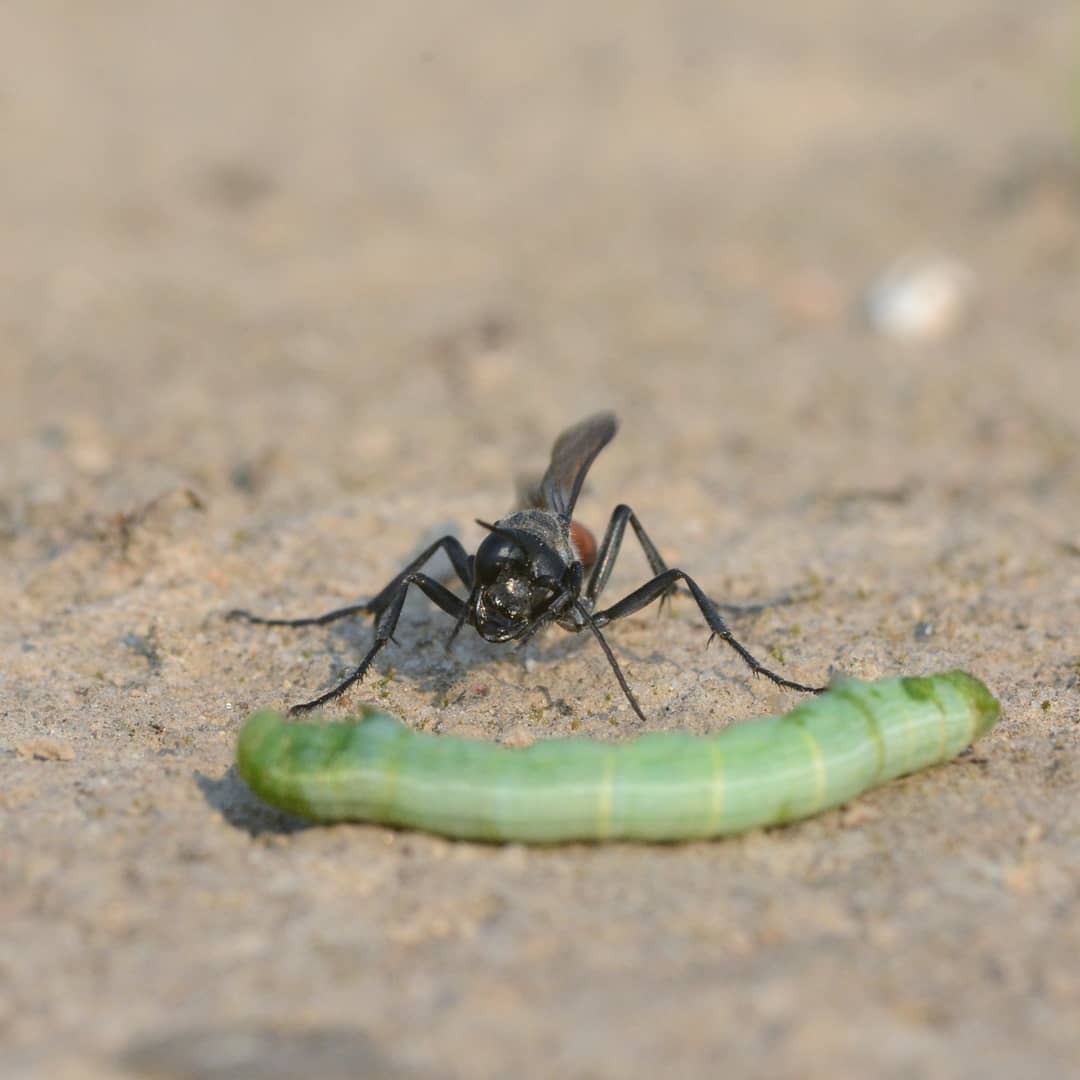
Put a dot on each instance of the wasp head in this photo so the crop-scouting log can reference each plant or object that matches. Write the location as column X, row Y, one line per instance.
column 519, row 578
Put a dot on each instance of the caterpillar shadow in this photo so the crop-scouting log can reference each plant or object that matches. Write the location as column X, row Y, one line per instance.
column 233, row 800
column 245, row 1051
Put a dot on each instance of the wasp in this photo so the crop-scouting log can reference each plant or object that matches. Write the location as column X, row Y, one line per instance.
column 536, row 566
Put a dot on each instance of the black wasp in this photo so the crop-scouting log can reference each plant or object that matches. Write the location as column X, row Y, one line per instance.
column 536, row 566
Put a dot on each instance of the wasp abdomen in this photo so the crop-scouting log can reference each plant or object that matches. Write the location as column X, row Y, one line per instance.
column 584, row 543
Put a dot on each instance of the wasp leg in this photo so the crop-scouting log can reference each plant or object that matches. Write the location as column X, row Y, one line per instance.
column 590, row 622
column 609, row 549
column 609, row 552
column 385, row 625
column 459, row 558
column 660, row 586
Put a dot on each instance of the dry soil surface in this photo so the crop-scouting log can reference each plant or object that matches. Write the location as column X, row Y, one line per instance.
column 286, row 290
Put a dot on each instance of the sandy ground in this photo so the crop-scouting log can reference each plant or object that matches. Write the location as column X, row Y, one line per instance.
column 286, row 290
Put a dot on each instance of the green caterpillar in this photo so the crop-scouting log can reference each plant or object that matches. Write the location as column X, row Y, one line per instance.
column 664, row 786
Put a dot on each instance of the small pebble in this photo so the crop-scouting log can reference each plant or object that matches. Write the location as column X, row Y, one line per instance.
column 920, row 298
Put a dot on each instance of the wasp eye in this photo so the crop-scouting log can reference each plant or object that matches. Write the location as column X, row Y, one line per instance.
column 494, row 556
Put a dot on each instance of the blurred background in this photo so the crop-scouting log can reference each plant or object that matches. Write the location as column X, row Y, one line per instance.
column 250, row 233
column 286, row 288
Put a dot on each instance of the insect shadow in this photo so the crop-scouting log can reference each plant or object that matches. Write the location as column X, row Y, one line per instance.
column 537, row 566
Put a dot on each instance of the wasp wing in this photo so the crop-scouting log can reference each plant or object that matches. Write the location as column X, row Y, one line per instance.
column 571, row 457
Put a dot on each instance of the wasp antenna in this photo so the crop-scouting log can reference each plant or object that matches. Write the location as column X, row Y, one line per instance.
column 498, row 530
